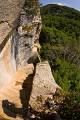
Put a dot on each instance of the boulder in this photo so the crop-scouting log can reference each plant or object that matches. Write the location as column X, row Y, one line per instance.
column 44, row 86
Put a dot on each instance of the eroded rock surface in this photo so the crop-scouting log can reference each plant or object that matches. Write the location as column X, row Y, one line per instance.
column 4, row 31
column 10, row 10
column 12, row 94
column 19, row 34
column 44, row 86
column 28, row 31
column 21, row 81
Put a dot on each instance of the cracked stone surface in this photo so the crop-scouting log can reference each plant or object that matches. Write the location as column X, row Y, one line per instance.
column 17, row 43
column 10, row 10
column 20, row 80
column 4, row 31
column 44, row 86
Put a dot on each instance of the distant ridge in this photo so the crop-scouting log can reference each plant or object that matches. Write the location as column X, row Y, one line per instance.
column 60, row 39
column 53, row 9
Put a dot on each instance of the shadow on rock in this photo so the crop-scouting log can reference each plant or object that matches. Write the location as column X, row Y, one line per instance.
column 10, row 108
column 25, row 93
column 34, row 115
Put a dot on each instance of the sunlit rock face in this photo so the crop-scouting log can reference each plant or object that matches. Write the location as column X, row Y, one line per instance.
column 9, row 15
column 28, row 31
column 10, row 10
column 44, row 86
column 20, row 26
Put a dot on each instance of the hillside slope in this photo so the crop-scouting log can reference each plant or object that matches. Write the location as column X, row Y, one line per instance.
column 60, row 40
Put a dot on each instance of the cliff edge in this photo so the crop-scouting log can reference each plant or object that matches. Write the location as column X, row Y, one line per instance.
column 23, row 77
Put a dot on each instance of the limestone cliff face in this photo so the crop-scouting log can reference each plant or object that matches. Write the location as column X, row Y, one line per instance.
column 28, row 31
column 20, row 26
column 10, row 10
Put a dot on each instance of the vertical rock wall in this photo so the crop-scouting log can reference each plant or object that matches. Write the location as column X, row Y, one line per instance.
column 28, row 31
column 20, row 26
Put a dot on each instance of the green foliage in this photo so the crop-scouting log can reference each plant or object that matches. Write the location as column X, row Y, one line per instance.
column 61, row 11
column 70, row 107
column 60, row 40
column 67, row 75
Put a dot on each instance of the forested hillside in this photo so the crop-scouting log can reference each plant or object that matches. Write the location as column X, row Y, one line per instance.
column 60, row 40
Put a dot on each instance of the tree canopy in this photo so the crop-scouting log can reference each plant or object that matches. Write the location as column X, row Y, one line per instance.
column 60, row 40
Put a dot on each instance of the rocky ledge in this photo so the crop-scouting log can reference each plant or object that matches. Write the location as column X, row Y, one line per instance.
column 25, row 81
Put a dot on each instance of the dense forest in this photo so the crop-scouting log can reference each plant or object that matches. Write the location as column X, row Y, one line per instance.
column 60, row 40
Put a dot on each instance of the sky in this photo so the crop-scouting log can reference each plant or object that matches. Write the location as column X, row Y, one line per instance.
column 71, row 3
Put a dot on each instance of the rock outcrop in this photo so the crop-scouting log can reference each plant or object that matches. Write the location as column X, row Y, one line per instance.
column 10, row 10
column 22, row 81
column 44, row 86
column 28, row 31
